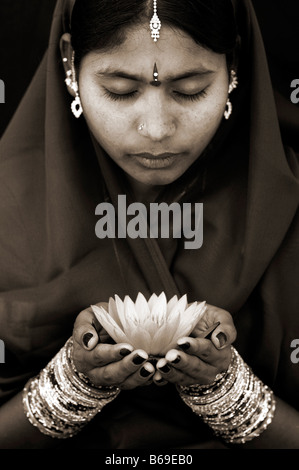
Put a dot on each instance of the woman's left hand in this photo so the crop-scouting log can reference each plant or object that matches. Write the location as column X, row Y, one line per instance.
column 198, row 359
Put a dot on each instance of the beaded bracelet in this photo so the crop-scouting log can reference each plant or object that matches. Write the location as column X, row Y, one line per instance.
column 59, row 402
column 237, row 406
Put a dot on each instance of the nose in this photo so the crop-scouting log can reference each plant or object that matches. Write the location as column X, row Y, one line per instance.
column 157, row 121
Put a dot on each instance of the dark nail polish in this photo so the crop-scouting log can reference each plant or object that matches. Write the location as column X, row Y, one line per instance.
column 86, row 338
column 138, row 360
column 159, row 381
column 144, row 372
column 222, row 339
column 208, row 333
column 124, row 352
column 185, row 346
column 177, row 360
column 165, row 369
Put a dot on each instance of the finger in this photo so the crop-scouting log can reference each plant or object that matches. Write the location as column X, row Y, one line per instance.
column 159, row 380
column 140, row 378
column 199, row 347
column 205, row 351
column 196, row 373
column 189, row 365
column 225, row 334
column 104, row 354
column 84, row 332
column 117, row 372
column 170, row 374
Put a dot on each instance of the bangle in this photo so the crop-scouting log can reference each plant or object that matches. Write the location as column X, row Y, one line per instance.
column 59, row 402
column 237, row 406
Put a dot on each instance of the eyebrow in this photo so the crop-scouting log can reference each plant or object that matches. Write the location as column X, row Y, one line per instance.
column 109, row 73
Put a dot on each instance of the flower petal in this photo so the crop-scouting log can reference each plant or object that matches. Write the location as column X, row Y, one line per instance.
column 164, row 337
column 153, row 299
column 159, row 310
column 109, row 325
column 113, row 312
column 121, row 312
column 179, row 307
column 172, row 302
column 191, row 317
column 130, row 311
column 142, row 308
column 140, row 339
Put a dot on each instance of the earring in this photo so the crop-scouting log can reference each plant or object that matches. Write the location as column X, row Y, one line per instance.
column 76, row 104
column 229, row 109
column 233, row 84
column 71, row 82
column 141, row 127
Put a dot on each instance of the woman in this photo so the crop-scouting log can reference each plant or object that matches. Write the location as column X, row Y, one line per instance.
column 181, row 111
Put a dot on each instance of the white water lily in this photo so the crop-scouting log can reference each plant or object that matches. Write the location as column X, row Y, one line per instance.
column 154, row 326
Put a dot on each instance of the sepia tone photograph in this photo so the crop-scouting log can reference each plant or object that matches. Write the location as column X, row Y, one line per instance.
column 149, row 233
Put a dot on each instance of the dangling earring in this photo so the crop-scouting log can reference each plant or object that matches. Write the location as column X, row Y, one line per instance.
column 233, row 84
column 72, row 83
column 229, row 109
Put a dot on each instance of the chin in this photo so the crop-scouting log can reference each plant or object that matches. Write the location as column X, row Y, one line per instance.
column 159, row 179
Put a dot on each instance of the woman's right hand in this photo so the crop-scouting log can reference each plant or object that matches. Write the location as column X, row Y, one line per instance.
column 107, row 364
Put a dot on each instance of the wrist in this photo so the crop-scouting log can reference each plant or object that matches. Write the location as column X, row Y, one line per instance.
column 237, row 406
column 59, row 401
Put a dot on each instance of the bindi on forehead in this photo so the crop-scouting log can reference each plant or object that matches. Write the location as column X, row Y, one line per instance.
column 155, row 81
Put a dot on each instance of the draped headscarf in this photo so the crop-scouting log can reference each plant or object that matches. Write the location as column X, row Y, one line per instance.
column 53, row 175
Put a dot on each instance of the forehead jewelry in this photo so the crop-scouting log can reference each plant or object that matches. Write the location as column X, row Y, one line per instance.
column 155, row 24
column 155, row 81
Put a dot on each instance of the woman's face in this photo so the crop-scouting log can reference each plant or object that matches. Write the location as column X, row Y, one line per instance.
column 154, row 133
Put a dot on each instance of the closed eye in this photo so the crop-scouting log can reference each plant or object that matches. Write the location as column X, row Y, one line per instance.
column 190, row 97
column 120, row 96
column 177, row 95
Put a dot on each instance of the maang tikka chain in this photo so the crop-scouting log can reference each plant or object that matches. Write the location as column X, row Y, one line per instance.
column 155, row 24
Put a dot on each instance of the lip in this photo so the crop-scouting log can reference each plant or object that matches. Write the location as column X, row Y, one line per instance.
column 156, row 162
column 151, row 156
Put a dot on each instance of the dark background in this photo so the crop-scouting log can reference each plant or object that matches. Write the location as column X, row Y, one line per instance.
column 25, row 26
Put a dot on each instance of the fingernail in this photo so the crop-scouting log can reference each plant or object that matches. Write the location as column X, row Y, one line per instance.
column 124, row 352
column 159, row 381
column 144, row 372
column 165, row 369
column 221, row 338
column 86, row 338
column 176, row 360
column 137, row 360
column 173, row 357
column 185, row 346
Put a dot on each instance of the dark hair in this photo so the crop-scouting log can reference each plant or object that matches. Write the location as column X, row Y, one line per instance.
column 102, row 24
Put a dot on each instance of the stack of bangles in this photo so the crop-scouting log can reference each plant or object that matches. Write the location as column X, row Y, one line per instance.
column 60, row 401
column 238, row 407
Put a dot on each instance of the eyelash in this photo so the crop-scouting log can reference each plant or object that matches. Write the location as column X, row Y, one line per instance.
column 178, row 95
